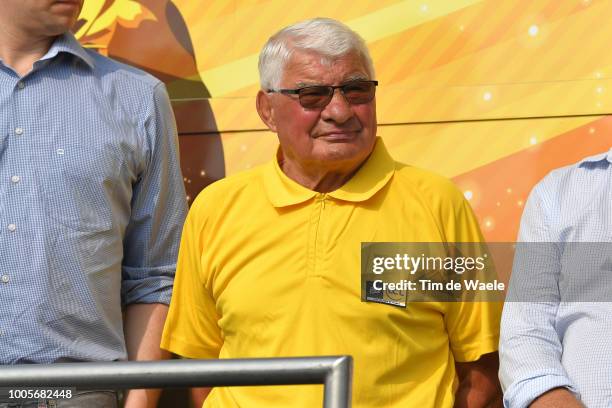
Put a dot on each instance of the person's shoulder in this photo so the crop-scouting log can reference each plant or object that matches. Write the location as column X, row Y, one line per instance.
column 574, row 177
column 109, row 68
column 426, row 183
column 226, row 190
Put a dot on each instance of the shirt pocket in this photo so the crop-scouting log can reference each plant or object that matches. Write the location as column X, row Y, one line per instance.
column 79, row 185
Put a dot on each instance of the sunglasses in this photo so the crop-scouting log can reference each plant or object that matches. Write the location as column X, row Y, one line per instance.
column 318, row 96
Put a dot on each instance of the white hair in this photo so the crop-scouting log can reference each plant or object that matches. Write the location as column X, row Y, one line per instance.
column 325, row 36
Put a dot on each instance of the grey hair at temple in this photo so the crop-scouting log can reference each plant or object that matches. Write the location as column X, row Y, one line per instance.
column 325, row 36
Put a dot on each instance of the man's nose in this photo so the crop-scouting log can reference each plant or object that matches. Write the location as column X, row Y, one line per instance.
column 338, row 110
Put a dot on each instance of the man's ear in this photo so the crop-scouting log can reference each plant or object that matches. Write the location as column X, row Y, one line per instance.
column 265, row 110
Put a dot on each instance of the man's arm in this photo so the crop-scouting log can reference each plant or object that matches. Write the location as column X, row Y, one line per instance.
column 151, row 239
column 473, row 327
column 191, row 329
column 478, row 383
column 530, row 347
column 198, row 396
column 143, row 325
column 558, row 397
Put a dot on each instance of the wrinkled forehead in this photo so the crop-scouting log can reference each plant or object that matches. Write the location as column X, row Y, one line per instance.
column 306, row 67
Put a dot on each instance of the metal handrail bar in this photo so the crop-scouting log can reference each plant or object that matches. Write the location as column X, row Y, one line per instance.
column 334, row 372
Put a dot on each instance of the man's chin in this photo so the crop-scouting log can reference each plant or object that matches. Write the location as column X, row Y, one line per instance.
column 58, row 27
column 342, row 151
column 61, row 21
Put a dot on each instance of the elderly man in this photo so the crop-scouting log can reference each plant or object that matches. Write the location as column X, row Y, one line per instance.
column 273, row 268
column 92, row 200
column 555, row 335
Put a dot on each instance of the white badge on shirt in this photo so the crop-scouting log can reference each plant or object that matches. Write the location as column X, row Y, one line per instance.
column 386, row 296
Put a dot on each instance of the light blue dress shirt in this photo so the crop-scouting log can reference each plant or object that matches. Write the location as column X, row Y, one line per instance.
column 92, row 204
column 560, row 334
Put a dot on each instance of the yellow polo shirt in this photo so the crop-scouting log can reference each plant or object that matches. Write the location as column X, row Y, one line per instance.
column 268, row 268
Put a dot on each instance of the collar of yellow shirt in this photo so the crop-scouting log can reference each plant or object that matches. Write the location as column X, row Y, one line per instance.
column 371, row 177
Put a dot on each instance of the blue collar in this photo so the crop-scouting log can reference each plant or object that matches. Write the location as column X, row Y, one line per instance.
column 67, row 43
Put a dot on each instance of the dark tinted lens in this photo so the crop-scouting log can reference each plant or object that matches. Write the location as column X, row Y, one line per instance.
column 359, row 92
column 314, row 96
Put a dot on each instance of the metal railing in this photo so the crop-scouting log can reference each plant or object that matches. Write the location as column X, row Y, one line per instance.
column 335, row 373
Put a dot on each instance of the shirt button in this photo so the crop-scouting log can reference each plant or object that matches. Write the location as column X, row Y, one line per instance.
column 20, row 85
column 18, row 131
column 5, row 278
column 11, row 227
column 15, row 179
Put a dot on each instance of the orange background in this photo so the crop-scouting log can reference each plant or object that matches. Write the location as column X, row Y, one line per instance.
column 493, row 94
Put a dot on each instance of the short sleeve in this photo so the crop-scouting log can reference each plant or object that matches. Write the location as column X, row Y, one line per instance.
column 191, row 328
column 473, row 327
